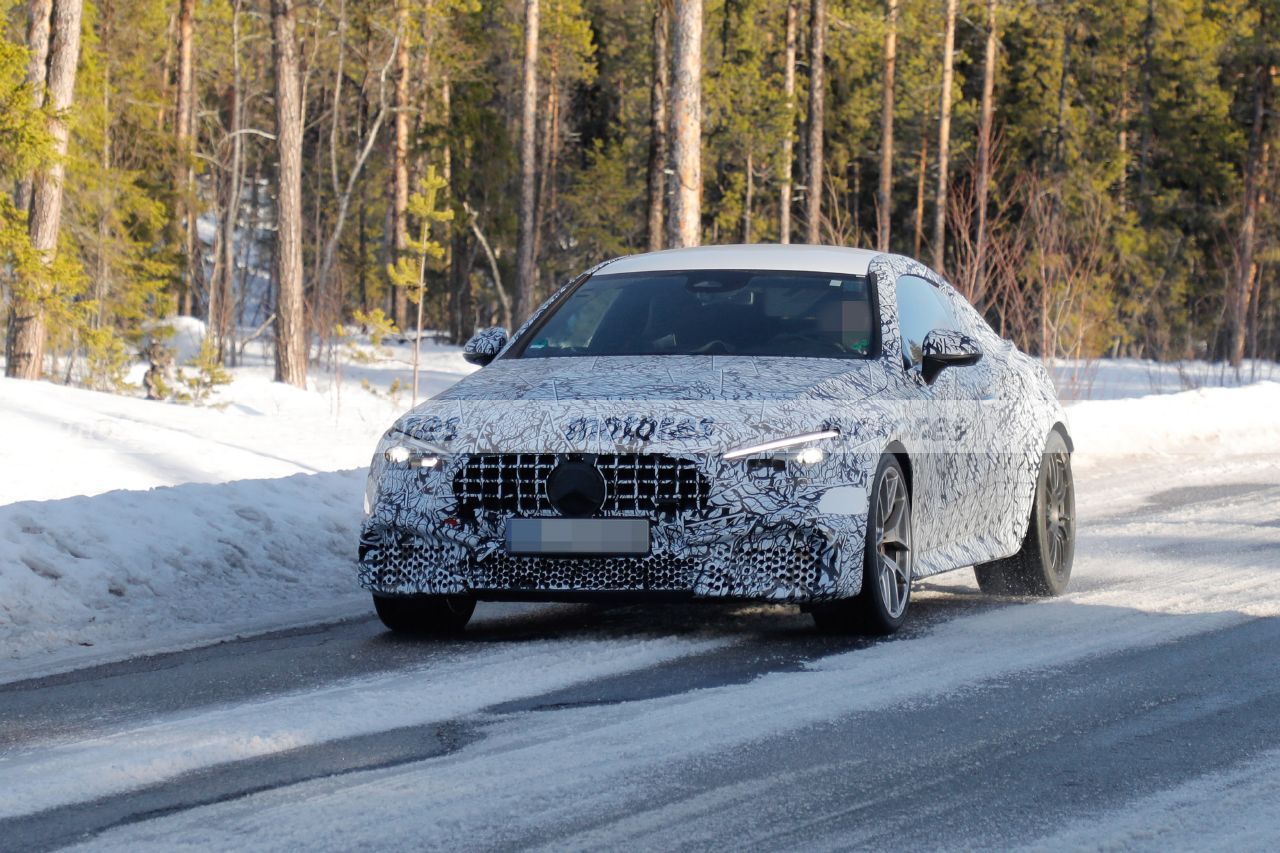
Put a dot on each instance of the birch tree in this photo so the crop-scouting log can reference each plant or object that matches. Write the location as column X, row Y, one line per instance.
column 290, row 322
column 525, row 260
column 788, row 140
column 686, row 124
column 884, row 198
column 24, row 351
column 817, row 107
column 657, row 185
column 944, row 140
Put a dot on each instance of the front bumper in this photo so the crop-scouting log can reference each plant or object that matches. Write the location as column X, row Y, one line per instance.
column 769, row 537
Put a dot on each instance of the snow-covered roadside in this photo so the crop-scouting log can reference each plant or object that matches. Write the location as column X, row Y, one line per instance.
column 1204, row 423
column 129, row 526
column 59, row 774
column 1229, row 811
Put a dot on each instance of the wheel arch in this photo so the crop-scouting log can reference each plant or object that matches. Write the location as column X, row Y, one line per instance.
column 1061, row 429
column 899, row 452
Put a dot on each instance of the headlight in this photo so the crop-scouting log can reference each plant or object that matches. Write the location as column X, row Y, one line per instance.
column 807, row 455
column 414, row 457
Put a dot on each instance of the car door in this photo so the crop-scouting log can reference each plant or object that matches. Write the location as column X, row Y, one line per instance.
column 950, row 416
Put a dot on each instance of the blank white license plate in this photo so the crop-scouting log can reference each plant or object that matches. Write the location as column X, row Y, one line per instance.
column 578, row 536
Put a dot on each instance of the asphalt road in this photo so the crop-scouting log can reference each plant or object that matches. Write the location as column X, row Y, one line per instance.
column 986, row 723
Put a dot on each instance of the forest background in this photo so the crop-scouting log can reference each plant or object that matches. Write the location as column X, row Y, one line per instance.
column 1097, row 177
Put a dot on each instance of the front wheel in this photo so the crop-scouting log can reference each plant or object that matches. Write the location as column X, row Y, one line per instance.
column 424, row 614
column 1043, row 565
column 881, row 607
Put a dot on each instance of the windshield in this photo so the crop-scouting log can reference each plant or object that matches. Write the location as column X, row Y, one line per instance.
column 709, row 312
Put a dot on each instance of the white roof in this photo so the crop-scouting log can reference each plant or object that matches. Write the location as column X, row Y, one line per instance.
column 758, row 256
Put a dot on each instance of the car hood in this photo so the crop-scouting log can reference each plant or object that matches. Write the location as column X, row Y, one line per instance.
column 685, row 404
column 665, row 378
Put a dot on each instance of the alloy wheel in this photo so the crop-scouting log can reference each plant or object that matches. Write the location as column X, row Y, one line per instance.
column 893, row 542
column 1059, row 506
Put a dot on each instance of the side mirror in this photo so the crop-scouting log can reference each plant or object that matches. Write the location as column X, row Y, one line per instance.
column 485, row 345
column 943, row 348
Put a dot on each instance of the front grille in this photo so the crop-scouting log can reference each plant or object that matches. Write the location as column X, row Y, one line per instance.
column 636, row 483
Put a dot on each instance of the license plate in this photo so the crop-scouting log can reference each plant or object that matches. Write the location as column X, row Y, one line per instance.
column 578, row 536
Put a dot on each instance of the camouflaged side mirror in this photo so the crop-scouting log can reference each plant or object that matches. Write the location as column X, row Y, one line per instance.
column 485, row 345
column 943, row 348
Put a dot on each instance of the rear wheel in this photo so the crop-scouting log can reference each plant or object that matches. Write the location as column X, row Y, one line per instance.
column 424, row 614
column 881, row 607
column 1043, row 565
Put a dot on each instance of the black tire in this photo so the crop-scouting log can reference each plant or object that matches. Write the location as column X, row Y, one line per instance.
column 881, row 607
column 424, row 614
column 1043, row 565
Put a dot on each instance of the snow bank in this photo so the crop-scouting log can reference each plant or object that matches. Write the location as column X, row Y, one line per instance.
column 1122, row 378
column 128, row 525
column 131, row 570
column 1223, row 421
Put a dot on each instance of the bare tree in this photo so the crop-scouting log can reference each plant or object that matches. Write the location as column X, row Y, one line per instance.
column 291, row 333
column 817, row 107
column 944, row 139
column 982, row 183
column 658, row 123
column 686, row 125
column 222, row 291
column 525, row 259
column 788, row 139
column 24, row 350
column 184, row 112
column 884, row 198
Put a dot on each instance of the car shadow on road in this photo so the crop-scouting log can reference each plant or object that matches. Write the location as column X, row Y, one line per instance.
column 756, row 639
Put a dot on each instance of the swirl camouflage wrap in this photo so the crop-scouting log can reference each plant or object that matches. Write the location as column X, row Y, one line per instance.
column 685, row 444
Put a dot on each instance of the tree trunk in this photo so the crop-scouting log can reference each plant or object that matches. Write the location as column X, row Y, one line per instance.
column 400, row 162
column 221, row 293
column 291, row 336
column 788, row 140
column 748, row 199
column 658, row 124
column 39, row 13
column 817, row 108
column 1239, row 309
column 884, row 198
column 944, row 140
column 525, row 259
column 544, row 197
column 686, row 125
column 1255, row 297
column 1064, row 81
column 184, row 110
column 24, row 351
column 983, row 180
column 922, row 170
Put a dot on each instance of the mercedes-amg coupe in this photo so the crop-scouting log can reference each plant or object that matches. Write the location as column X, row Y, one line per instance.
column 796, row 424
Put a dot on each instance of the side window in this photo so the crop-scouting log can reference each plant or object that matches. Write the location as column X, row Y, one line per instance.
column 921, row 309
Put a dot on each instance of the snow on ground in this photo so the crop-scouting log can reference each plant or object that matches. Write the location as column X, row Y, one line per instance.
column 1139, row 583
column 1229, row 811
column 1119, row 378
column 45, row 778
column 128, row 525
